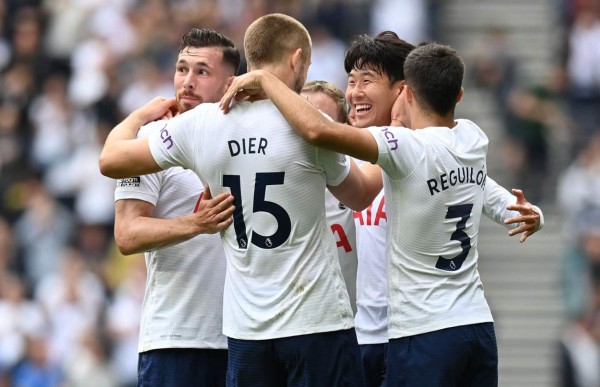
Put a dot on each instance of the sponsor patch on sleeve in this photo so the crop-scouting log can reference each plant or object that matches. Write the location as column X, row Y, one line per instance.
column 129, row 182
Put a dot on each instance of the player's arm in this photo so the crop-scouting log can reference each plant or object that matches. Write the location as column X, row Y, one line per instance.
column 304, row 117
column 137, row 231
column 360, row 187
column 123, row 154
column 511, row 210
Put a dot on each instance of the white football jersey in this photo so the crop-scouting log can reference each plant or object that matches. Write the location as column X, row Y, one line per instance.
column 434, row 185
column 371, row 296
column 283, row 278
column 183, row 303
column 341, row 221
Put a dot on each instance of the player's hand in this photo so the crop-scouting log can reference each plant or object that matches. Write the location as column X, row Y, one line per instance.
column 158, row 108
column 214, row 214
column 241, row 87
column 529, row 218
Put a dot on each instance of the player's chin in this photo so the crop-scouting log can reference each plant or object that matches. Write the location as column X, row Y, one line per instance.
column 185, row 106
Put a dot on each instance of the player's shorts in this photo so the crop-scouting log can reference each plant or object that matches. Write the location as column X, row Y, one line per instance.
column 326, row 359
column 182, row 367
column 373, row 358
column 465, row 356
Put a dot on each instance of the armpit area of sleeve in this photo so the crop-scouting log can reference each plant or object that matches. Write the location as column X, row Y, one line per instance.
column 158, row 152
column 340, row 177
column 126, row 194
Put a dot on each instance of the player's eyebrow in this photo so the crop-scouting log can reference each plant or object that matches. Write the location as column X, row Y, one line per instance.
column 199, row 63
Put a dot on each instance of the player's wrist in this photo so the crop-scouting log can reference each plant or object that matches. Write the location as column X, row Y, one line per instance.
column 136, row 120
column 537, row 210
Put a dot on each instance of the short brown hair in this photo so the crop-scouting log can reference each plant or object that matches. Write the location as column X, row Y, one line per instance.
column 333, row 92
column 269, row 37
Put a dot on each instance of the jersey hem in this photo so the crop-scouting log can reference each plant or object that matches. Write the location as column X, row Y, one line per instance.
column 292, row 332
column 455, row 322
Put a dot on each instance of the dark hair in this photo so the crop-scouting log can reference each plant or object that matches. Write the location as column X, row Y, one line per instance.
column 202, row 37
column 384, row 54
column 435, row 72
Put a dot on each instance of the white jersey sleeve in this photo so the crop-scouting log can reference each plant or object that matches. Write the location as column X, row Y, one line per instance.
column 176, row 141
column 145, row 187
column 495, row 200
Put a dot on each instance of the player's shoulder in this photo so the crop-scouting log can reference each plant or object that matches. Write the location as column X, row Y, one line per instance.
column 469, row 126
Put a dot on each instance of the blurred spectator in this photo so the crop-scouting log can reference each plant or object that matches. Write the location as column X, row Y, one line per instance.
column 578, row 198
column 148, row 82
column 20, row 318
column 494, row 67
column 526, row 149
column 73, row 300
column 407, row 18
column 59, row 128
column 8, row 252
column 26, row 44
column 579, row 348
column 123, row 323
column 327, row 57
column 583, row 72
column 37, row 369
column 42, row 232
column 76, row 180
column 89, row 366
column 12, row 142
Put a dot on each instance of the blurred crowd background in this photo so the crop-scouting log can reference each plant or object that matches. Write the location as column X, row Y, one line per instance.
column 72, row 69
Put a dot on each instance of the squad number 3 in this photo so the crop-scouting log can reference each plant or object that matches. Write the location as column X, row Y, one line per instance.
column 462, row 212
column 284, row 224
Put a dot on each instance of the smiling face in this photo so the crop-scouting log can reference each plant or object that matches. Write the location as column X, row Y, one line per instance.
column 371, row 97
column 200, row 76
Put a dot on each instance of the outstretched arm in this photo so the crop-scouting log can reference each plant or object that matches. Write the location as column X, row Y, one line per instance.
column 304, row 117
column 123, row 154
column 511, row 210
column 137, row 231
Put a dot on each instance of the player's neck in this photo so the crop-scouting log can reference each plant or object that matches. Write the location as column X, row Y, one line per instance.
column 426, row 120
column 282, row 73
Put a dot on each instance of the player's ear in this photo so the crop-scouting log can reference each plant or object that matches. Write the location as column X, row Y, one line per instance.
column 460, row 95
column 228, row 83
column 409, row 93
column 296, row 59
column 397, row 87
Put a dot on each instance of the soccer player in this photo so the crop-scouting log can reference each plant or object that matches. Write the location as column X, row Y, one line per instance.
column 440, row 326
column 375, row 72
column 286, row 309
column 330, row 100
column 181, row 341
